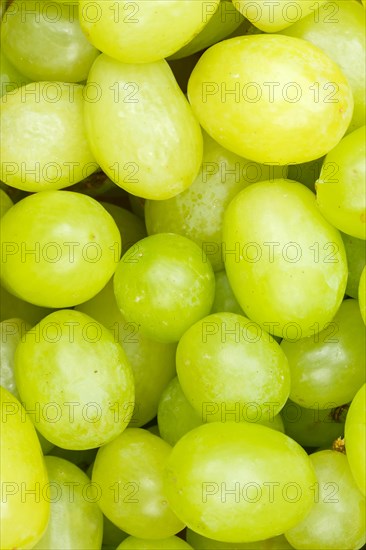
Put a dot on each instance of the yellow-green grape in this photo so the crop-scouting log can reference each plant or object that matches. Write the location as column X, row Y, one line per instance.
column 171, row 543
column 362, row 294
column 340, row 189
column 265, row 97
column 149, row 360
column 11, row 333
column 10, row 77
column 131, row 227
column 274, row 15
column 337, row 520
column 5, row 203
column 355, row 438
column 285, row 263
column 356, row 260
column 44, row 41
column 75, row 519
column 225, row 480
column 24, row 512
column 203, row 543
column 224, row 296
column 198, row 212
column 10, row 306
column 224, row 21
column 129, row 472
column 44, row 144
column 164, row 284
column 330, row 27
column 58, row 248
column 143, row 31
column 75, row 380
column 141, row 128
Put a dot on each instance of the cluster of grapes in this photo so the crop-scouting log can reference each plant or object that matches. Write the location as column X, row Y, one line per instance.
column 183, row 281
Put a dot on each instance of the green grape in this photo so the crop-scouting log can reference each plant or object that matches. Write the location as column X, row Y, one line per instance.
column 356, row 260
column 34, row 120
column 5, row 203
column 313, row 427
column 198, row 212
column 274, row 16
column 58, row 248
column 75, row 520
column 10, row 306
column 10, row 77
column 231, row 370
column 171, row 543
column 44, row 41
column 285, row 263
column 224, row 296
column 264, row 97
column 164, row 284
column 224, row 21
column 338, row 28
column 329, row 368
column 239, row 482
column 137, row 205
column 362, row 294
column 131, row 227
column 337, row 519
column 157, row 150
column 143, row 31
column 340, row 188
column 154, row 430
column 112, row 535
column 203, row 543
column 355, row 438
column 129, row 472
column 23, row 515
column 176, row 416
column 82, row 459
column 306, row 173
column 149, row 360
column 81, row 395
column 11, row 333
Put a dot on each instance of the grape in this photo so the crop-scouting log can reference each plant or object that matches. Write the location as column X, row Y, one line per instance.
column 328, row 369
column 362, row 294
column 356, row 260
column 149, row 360
column 34, row 122
column 112, row 535
column 75, row 520
column 44, row 41
column 129, row 472
column 11, row 332
column 355, row 438
column 10, row 78
column 337, row 519
column 231, row 370
column 141, row 128
column 224, row 296
column 5, row 203
column 58, row 248
column 164, row 284
column 203, row 543
column 313, row 427
column 11, row 305
column 198, row 212
column 331, row 27
column 24, row 517
column 81, row 393
column 144, row 30
column 340, row 188
column 231, row 94
column 224, row 21
column 171, row 543
column 286, row 265
column 131, row 227
column 226, row 480
column 176, row 416
column 82, row 459
column 274, row 16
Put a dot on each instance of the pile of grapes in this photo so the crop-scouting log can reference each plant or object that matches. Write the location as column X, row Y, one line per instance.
column 183, row 281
